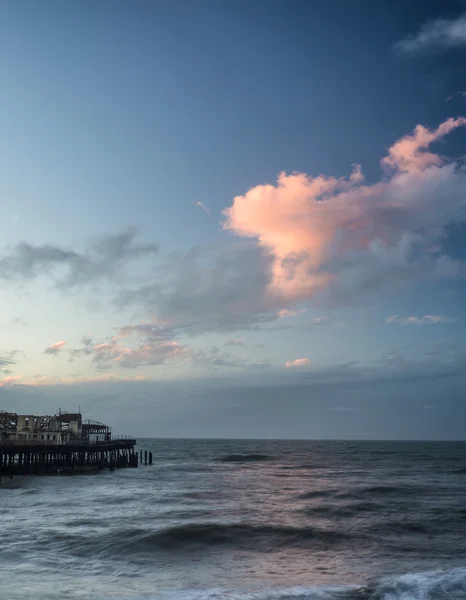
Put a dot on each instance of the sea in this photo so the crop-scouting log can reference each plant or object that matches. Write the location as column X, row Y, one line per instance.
column 244, row 520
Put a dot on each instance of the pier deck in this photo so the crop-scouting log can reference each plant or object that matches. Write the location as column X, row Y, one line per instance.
column 42, row 458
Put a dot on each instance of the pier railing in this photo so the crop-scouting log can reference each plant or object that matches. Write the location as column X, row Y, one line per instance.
column 70, row 442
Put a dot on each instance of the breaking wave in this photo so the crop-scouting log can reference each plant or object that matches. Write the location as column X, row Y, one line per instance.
column 434, row 585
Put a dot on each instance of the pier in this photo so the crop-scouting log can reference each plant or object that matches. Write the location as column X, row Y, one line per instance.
column 61, row 444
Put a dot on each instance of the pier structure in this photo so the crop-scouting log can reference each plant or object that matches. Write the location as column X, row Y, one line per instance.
column 63, row 443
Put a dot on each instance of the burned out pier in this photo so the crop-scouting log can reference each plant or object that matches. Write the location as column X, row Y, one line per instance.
column 60, row 444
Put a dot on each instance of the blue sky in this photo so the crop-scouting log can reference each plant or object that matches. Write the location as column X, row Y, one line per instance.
column 203, row 197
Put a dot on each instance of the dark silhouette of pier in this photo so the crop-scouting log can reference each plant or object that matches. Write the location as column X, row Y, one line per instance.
column 62, row 444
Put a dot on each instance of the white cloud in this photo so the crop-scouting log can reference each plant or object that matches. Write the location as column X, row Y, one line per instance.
column 436, row 35
column 203, row 207
column 425, row 320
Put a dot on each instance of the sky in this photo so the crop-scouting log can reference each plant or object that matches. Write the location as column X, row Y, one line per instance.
column 235, row 219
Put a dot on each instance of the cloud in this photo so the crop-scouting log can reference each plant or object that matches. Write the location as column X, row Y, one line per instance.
column 216, row 357
column 337, row 240
column 320, row 320
column 203, row 207
column 154, row 346
column 85, row 350
column 151, row 346
column 6, row 360
column 148, row 331
column 223, row 288
column 10, row 380
column 284, row 313
column 410, row 154
column 441, row 34
column 104, row 258
column 55, row 348
column 452, row 97
column 299, row 362
column 113, row 353
column 323, row 240
column 239, row 342
column 425, row 320
column 18, row 322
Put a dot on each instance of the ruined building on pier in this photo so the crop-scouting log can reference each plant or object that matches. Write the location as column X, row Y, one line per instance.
column 60, row 443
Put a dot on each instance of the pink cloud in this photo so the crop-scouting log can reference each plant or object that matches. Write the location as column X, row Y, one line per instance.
column 55, row 348
column 410, row 154
column 326, row 233
column 299, row 362
column 150, row 353
column 10, row 380
column 284, row 313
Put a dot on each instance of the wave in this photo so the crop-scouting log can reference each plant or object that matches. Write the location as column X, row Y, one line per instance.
column 185, row 538
column 345, row 510
column 430, row 585
column 315, row 494
column 433, row 585
column 383, row 491
column 244, row 536
column 241, row 458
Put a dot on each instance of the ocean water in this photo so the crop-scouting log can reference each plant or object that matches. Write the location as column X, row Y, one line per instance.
column 244, row 520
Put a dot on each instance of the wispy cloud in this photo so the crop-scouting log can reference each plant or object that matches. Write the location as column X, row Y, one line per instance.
column 285, row 313
column 149, row 331
column 55, row 348
column 452, row 97
column 238, row 342
column 217, row 357
column 203, row 207
column 320, row 320
column 440, row 34
column 18, row 322
column 103, row 258
column 7, row 359
column 425, row 320
column 298, row 363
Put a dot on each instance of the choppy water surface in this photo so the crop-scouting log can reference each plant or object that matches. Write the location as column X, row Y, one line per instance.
column 244, row 520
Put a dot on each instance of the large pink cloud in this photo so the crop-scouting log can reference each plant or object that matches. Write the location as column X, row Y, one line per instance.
column 324, row 232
